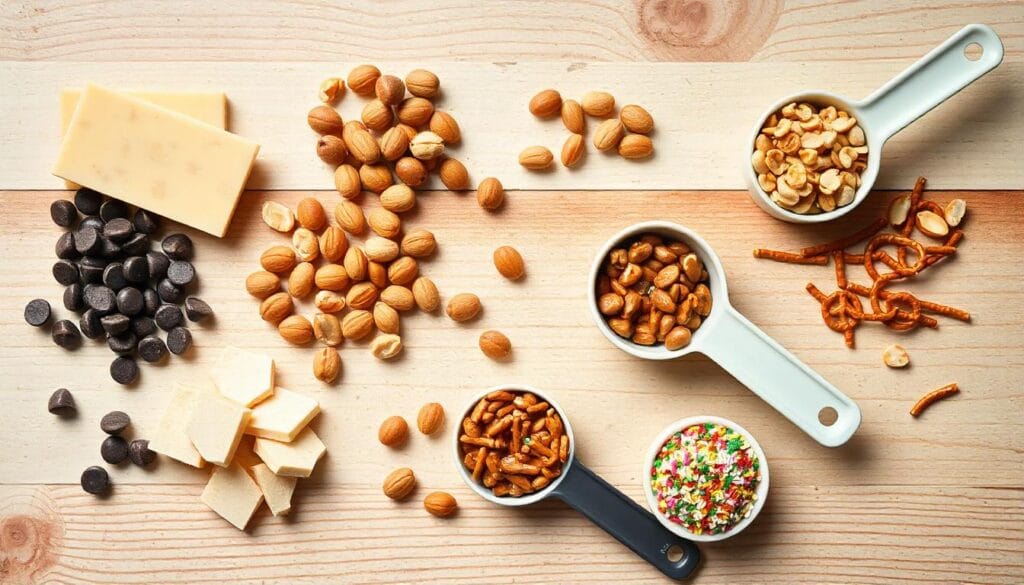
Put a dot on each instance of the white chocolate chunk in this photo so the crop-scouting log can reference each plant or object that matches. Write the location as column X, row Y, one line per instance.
column 244, row 376
column 277, row 490
column 295, row 459
column 232, row 494
column 282, row 416
column 216, row 427
column 211, row 108
column 171, row 436
column 155, row 158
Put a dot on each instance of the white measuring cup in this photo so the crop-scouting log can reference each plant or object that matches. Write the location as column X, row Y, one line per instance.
column 924, row 85
column 604, row 505
column 743, row 350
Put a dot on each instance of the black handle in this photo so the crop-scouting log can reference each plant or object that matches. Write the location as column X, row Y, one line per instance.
column 621, row 517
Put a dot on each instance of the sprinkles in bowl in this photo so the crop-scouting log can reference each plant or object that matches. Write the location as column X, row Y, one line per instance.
column 705, row 478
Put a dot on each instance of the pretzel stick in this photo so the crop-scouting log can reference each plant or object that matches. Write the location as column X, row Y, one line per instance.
column 915, row 199
column 478, row 469
column 837, row 256
column 478, row 410
column 478, row 441
column 788, row 257
column 846, row 242
column 815, row 292
column 933, row 396
column 908, row 225
column 501, row 396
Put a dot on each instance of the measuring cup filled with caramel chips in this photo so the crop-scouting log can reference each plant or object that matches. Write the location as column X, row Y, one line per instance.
column 515, row 447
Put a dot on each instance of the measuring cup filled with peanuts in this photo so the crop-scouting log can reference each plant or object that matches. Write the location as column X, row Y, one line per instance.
column 814, row 156
column 516, row 447
column 658, row 292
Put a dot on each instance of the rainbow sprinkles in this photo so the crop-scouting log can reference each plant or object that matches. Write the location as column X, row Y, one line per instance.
column 705, row 478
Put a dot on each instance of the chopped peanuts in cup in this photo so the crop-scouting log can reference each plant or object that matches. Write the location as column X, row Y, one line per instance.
column 809, row 160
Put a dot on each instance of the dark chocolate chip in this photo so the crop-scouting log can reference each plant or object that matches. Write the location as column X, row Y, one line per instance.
column 115, row 324
column 137, row 245
column 140, row 453
column 88, row 201
column 114, row 450
column 152, row 349
column 109, row 249
column 181, row 273
column 168, row 317
column 93, row 222
column 158, row 264
column 169, row 292
column 113, row 276
column 73, row 297
column 177, row 247
column 151, row 300
column 66, row 335
column 122, row 344
column 65, row 272
column 65, row 247
column 90, row 324
column 37, row 312
column 146, row 222
column 136, row 269
column 124, row 370
column 114, row 422
column 95, row 480
column 113, row 209
column 143, row 326
column 90, row 269
column 118, row 229
column 61, row 402
column 100, row 298
column 87, row 240
column 197, row 309
column 179, row 340
column 129, row 301
column 63, row 212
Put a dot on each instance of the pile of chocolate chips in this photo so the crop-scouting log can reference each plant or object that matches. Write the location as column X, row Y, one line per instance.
column 122, row 289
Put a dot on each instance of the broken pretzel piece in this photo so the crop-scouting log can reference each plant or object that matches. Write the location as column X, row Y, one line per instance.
column 932, row 397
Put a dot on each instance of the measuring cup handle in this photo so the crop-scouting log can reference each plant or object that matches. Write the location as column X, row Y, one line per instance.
column 620, row 516
column 929, row 82
column 782, row 380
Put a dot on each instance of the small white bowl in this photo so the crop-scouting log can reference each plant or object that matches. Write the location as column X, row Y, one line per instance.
column 652, row 502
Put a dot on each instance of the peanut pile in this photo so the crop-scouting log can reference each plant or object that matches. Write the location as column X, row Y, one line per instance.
column 404, row 135
column 810, row 161
column 627, row 132
column 362, row 289
column 654, row 290
column 374, row 282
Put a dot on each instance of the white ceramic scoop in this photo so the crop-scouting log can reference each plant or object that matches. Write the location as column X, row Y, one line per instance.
column 743, row 350
column 935, row 78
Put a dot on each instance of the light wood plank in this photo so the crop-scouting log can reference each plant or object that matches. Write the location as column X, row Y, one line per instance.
column 703, row 112
column 616, row 403
column 597, row 30
column 350, row 533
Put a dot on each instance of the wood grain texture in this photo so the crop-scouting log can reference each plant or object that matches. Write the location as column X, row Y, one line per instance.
column 937, row 499
column 703, row 116
column 348, row 533
column 507, row 30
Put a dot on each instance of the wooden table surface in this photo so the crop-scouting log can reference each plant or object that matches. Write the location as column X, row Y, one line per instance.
column 939, row 499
